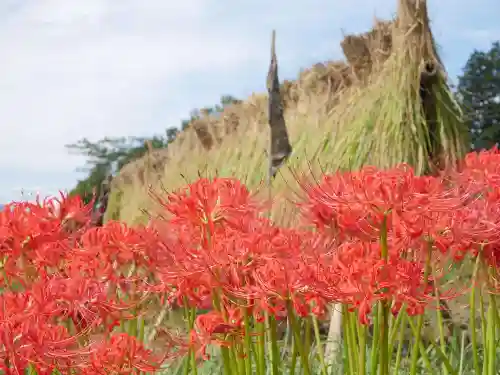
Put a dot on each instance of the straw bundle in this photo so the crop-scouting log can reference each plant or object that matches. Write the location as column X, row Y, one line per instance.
column 365, row 53
column 201, row 129
column 325, row 79
column 406, row 111
column 380, row 42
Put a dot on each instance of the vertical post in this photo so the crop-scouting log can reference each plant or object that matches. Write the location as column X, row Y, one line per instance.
column 280, row 148
column 334, row 342
column 102, row 203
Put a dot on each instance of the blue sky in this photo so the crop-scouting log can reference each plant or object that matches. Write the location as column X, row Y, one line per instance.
column 95, row 68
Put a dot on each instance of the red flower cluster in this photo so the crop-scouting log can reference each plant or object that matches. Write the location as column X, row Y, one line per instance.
column 62, row 286
column 456, row 213
column 65, row 287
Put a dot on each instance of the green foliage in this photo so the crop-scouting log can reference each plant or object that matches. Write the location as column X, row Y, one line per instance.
column 90, row 185
column 479, row 94
column 117, row 152
column 111, row 154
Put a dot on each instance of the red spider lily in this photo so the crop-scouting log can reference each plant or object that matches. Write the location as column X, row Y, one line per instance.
column 471, row 227
column 122, row 354
column 362, row 278
column 476, row 224
column 110, row 250
column 356, row 204
column 88, row 301
column 194, row 269
column 179, row 273
column 28, row 337
column 15, row 312
column 24, row 228
column 205, row 203
column 70, row 211
column 212, row 329
column 170, row 245
column 479, row 169
column 122, row 243
column 64, row 216
column 37, row 245
column 195, row 290
column 287, row 270
column 34, row 236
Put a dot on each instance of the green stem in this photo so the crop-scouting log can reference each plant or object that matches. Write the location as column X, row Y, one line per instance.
column 420, row 321
column 439, row 317
column 484, row 324
column 384, row 307
column 423, row 352
column 401, row 340
column 248, row 342
column 295, row 353
column 226, row 360
column 225, row 352
column 346, row 358
column 189, row 328
column 348, row 344
column 304, row 355
column 353, row 341
column 472, row 317
column 492, row 328
column 377, row 313
column 395, row 328
column 307, row 328
column 193, row 362
column 462, row 354
column 189, row 317
column 237, row 357
column 273, row 344
column 362, row 349
column 319, row 345
column 261, row 348
column 384, row 340
column 416, row 345
column 192, row 319
column 482, row 315
column 31, row 369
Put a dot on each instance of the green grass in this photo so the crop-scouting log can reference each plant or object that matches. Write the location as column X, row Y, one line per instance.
column 460, row 357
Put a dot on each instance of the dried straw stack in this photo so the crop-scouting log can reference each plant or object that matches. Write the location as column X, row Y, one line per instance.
column 406, row 111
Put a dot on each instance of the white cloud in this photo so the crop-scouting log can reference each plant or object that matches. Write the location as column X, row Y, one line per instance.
column 84, row 68
column 73, row 68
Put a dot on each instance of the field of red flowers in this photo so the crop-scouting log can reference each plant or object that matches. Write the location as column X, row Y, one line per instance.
column 76, row 299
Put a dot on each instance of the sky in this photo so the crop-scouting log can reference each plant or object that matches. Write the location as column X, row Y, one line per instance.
column 71, row 69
